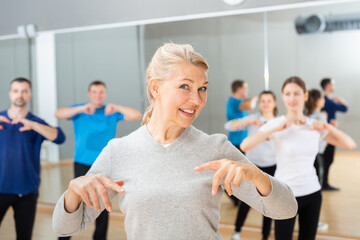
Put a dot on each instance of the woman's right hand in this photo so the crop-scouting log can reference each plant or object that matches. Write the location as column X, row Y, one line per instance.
column 88, row 188
column 284, row 125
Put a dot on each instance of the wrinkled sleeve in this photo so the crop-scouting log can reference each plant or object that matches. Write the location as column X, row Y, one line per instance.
column 279, row 204
column 67, row 224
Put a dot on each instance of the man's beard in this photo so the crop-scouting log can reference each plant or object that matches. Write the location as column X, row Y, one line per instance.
column 19, row 104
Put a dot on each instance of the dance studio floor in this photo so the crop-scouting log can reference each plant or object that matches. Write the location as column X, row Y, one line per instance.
column 340, row 210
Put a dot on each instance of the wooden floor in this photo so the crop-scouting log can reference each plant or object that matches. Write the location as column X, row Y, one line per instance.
column 340, row 210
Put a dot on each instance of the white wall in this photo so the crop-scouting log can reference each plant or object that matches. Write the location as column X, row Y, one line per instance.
column 14, row 62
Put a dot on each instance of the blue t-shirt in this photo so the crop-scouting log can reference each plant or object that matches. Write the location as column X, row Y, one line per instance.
column 92, row 133
column 233, row 112
column 331, row 107
column 20, row 157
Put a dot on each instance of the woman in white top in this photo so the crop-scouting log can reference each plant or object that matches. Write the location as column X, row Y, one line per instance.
column 167, row 173
column 263, row 155
column 313, row 105
column 296, row 138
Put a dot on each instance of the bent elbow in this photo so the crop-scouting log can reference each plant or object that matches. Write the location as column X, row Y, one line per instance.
column 290, row 211
column 59, row 231
column 56, row 229
column 60, row 116
column 138, row 116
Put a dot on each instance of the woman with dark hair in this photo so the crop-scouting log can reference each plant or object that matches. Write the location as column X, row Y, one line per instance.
column 296, row 138
column 263, row 156
column 313, row 105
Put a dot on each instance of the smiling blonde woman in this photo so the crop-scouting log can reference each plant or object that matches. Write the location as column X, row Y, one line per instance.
column 167, row 173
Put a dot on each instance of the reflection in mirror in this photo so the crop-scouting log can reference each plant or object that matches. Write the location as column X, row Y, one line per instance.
column 234, row 46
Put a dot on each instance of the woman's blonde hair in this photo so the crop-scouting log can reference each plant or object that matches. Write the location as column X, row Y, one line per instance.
column 162, row 64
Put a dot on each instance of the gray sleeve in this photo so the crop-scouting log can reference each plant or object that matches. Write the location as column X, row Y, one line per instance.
column 66, row 224
column 279, row 204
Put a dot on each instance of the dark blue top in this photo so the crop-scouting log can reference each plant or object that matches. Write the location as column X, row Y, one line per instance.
column 331, row 107
column 92, row 133
column 20, row 157
column 233, row 112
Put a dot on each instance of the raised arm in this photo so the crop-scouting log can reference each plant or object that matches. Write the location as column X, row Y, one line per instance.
column 339, row 104
column 248, row 104
column 235, row 172
column 340, row 100
column 335, row 136
column 267, row 195
column 241, row 123
column 68, row 112
column 130, row 114
column 254, row 140
column 50, row 133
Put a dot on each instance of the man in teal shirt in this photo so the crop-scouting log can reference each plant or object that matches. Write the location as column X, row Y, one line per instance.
column 237, row 107
column 94, row 126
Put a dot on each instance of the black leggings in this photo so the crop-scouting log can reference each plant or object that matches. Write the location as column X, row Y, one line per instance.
column 24, row 213
column 328, row 160
column 308, row 211
column 319, row 167
column 102, row 220
column 244, row 209
column 232, row 197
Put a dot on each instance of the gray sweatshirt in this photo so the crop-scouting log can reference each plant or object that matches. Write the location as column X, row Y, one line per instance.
column 164, row 197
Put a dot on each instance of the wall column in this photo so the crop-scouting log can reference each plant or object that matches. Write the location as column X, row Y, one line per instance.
column 46, row 89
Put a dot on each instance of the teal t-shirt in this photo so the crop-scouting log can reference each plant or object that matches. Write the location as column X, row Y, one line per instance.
column 233, row 112
column 92, row 133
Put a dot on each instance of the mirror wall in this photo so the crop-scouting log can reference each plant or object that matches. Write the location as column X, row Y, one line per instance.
column 14, row 61
column 233, row 46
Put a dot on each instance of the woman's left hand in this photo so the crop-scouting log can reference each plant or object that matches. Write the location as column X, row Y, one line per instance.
column 235, row 172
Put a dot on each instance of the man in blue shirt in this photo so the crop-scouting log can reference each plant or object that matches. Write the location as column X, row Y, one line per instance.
column 94, row 126
column 237, row 107
column 21, row 136
column 332, row 105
